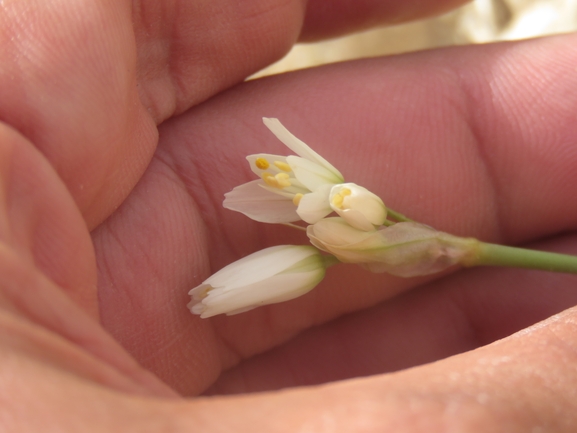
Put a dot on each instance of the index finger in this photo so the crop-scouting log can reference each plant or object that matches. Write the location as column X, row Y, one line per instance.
column 88, row 81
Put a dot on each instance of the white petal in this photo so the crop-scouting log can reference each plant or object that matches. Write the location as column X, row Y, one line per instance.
column 356, row 219
column 260, row 205
column 270, row 158
column 298, row 146
column 278, row 288
column 310, row 174
column 258, row 266
column 315, row 206
column 337, row 232
column 360, row 207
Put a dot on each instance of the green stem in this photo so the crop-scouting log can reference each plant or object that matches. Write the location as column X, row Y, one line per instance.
column 501, row 255
column 398, row 216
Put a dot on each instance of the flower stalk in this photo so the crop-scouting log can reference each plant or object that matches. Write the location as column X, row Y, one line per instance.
column 486, row 254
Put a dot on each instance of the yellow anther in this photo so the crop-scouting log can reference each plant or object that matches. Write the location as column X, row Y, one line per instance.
column 282, row 166
column 337, row 200
column 270, row 180
column 297, row 198
column 345, row 191
column 262, row 163
column 282, row 180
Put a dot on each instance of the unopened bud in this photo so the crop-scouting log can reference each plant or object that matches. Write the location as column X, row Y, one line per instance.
column 358, row 206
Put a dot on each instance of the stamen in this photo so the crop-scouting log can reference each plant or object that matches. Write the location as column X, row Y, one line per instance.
column 262, row 163
column 337, row 200
column 297, row 198
column 282, row 166
column 282, row 180
column 270, row 180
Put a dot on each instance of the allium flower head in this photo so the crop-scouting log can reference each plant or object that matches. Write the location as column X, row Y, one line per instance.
column 289, row 188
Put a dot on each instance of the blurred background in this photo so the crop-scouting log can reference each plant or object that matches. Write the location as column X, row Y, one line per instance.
column 478, row 22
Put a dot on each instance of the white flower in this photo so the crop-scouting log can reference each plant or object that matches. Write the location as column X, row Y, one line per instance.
column 358, row 206
column 269, row 276
column 289, row 188
column 406, row 249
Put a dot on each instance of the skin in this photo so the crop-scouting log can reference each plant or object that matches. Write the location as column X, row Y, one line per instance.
column 120, row 129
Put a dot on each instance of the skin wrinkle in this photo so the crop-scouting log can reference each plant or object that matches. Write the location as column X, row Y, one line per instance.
column 467, row 106
column 152, row 48
column 186, row 176
column 526, row 123
column 476, row 113
column 50, row 349
column 119, row 243
column 199, row 181
column 156, row 325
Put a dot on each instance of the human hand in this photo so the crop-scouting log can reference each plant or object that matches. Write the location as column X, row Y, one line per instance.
column 475, row 140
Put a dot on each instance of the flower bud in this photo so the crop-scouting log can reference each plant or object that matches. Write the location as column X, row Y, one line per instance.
column 406, row 249
column 269, row 276
column 358, row 206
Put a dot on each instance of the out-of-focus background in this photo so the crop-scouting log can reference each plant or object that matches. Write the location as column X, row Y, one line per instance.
column 477, row 22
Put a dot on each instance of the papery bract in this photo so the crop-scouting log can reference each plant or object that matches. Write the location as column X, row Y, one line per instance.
column 406, row 249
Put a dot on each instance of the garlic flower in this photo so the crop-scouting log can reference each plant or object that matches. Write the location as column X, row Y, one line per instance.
column 290, row 188
column 268, row 276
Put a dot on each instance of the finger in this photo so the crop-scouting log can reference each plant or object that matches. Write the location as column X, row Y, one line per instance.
column 63, row 387
column 336, row 18
column 48, row 304
column 68, row 81
column 107, row 72
column 88, row 81
column 424, row 131
column 522, row 383
column 40, row 223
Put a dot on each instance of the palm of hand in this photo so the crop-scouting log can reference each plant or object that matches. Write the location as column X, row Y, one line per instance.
column 159, row 228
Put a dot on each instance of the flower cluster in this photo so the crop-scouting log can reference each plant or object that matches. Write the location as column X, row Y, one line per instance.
column 289, row 188
column 306, row 187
